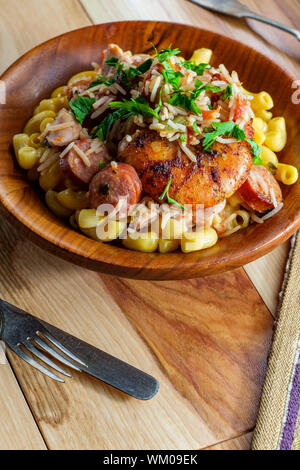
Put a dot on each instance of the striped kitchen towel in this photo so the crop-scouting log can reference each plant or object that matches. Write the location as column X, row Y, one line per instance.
column 278, row 422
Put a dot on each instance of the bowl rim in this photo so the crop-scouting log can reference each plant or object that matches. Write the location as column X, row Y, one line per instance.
column 141, row 262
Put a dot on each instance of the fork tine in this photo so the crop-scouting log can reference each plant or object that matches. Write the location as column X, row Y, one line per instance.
column 36, row 365
column 44, row 358
column 62, row 348
column 53, row 353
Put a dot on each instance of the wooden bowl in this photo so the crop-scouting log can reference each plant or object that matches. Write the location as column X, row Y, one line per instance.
column 35, row 75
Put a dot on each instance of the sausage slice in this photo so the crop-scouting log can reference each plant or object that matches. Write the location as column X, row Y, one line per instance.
column 74, row 167
column 112, row 183
column 260, row 189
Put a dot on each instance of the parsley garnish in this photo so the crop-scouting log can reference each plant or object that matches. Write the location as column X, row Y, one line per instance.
column 104, row 127
column 102, row 164
column 169, row 199
column 199, row 69
column 127, row 75
column 126, row 108
column 135, row 106
column 187, row 99
column 256, row 150
column 195, row 127
column 165, row 54
column 81, row 107
column 170, row 76
column 221, row 128
column 183, row 138
column 227, row 93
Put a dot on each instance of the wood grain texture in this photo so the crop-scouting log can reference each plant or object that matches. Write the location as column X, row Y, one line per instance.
column 18, row 428
column 33, row 24
column 211, row 341
column 239, row 443
column 75, row 51
column 209, row 361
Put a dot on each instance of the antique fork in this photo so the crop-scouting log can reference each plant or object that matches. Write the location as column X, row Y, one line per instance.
column 235, row 8
column 30, row 338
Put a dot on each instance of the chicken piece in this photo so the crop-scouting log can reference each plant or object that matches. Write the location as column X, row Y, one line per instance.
column 67, row 134
column 213, row 178
column 126, row 58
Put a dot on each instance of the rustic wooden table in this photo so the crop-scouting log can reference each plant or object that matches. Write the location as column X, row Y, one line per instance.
column 206, row 340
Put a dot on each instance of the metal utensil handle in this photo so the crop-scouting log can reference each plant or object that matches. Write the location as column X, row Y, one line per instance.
column 293, row 31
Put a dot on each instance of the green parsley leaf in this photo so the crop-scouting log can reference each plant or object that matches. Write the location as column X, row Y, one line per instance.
column 170, row 75
column 104, row 127
column 227, row 93
column 199, row 69
column 127, row 75
column 221, row 128
column 135, row 106
column 81, row 107
column 102, row 164
column 102, row 80
column 183, row 138
column 165, row 54
column 169, row 199
column 256, row 150
column 112, row 61
column 195, row 127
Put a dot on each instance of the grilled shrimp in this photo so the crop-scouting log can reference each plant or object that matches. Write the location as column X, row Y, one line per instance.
column 64, row 136
column 212, row 179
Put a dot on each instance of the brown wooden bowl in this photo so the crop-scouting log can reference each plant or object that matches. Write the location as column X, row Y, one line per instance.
column 35, row 75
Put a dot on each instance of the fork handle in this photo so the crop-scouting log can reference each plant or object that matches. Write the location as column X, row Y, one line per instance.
column 293, row 31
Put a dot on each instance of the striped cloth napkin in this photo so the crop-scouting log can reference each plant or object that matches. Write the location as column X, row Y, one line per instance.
column 278, row 423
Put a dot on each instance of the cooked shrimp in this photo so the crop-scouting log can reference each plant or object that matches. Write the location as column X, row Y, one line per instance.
column 212, row 179
column 64, row 136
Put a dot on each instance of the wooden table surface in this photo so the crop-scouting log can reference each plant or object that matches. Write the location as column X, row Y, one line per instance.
column 206, row 340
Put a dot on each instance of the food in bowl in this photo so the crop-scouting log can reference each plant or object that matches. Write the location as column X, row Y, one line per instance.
column 157, row 152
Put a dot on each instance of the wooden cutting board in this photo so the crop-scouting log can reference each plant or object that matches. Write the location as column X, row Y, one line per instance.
column 206, row 340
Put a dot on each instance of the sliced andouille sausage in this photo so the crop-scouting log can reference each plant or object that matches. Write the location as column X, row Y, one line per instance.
column 67, row 134
column 114, row 182
column 75, row 168
column 260, row 189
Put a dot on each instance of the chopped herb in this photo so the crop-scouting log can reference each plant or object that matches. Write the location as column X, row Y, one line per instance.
column 102, row 164
column 165, row 54
column 135, row 106
column 170, row 75
column 227, row 93
column 169, row 199
column 45, row 143
column 126, row 75
column 126, row 108
column 81, row 107
column 159, row 106
column 183, row 138
column 210, row 106
column 272, row 168
column 195, row 127
column 104, row 127
column 187, row 99
column 221, row 128
column 199, row 69
column 256, row 150
column 112, row 61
